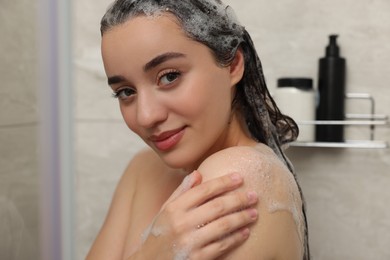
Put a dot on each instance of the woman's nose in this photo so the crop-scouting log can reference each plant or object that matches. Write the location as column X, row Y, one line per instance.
column 150, row 110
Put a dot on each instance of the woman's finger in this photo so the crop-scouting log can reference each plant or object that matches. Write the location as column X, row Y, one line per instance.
column 224, row 226
column 223, row 205
column 188, row 182
column 224, row 245
column 208, row 190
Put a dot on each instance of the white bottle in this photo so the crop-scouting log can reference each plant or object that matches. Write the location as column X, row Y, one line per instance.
column 296, row 98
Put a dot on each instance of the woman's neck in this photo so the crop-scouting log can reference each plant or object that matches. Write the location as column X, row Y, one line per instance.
column 236, row 134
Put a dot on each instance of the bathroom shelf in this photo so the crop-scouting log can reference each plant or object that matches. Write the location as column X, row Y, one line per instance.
column 370, row 120
column 347, row 144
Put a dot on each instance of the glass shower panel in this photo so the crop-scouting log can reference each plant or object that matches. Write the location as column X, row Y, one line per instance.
column 36, row 178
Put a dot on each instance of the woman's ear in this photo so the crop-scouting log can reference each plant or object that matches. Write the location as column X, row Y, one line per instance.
column 237, row 67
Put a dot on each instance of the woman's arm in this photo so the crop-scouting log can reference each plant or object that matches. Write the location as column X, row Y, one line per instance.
column 176, row 226
column 204, row 222
column 278, row 232
column 111, row 239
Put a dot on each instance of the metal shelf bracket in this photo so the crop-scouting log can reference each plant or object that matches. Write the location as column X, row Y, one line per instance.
column 371, row 120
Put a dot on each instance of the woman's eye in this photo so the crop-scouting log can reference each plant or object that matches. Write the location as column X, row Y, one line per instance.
column 170, row 77
column 124, row 93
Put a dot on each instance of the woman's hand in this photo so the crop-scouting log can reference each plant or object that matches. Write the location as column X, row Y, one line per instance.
column 201, row 220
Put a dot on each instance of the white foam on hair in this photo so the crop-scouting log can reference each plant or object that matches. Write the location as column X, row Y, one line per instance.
column 213, row 23
column 151, row 9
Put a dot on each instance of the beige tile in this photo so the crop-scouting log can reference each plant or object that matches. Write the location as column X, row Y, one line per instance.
column 93, row 97
column 346, row 194
column 19, row 194
column 18, row 91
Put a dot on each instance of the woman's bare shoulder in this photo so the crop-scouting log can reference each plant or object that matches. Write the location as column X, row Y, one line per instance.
column 247, row 160
column 143, row 163
column 261, row 169
column 144, row 158
column 280, row 220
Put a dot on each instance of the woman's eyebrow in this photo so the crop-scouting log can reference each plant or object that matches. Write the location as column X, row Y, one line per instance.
column 161, row 59
column 115, row 79
column 150, row 65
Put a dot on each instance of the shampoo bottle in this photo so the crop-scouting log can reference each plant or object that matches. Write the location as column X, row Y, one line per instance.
column 331, row 88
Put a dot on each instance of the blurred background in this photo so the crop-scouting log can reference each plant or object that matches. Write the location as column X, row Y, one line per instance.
column 63, row 145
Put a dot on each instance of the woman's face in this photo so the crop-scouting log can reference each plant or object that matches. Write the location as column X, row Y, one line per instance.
column 171, row 91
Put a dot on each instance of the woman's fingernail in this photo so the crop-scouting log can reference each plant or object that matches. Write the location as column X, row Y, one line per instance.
column 245, row 232
column 252, row 196
column 252, row 213
column 196, row 177
column 236, row 178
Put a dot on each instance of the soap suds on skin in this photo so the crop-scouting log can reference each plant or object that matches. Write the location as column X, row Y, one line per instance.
column 152, row 229
column 156, row 230
column 288, row 201
column 278, row 188
column 181, row 254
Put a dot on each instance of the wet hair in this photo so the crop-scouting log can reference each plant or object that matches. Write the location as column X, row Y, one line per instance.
column 214, row 24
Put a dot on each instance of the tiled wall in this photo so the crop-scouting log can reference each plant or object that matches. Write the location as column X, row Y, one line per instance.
column 19, row 191
column 346, row 189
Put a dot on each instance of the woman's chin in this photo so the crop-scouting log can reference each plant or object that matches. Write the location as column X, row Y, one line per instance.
column 178, row 163
column 178, row 159
column 180, row 166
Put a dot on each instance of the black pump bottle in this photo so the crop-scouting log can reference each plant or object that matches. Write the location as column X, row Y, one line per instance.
column 331, row 87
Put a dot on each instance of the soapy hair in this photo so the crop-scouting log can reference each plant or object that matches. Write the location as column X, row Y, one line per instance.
column 214, row 24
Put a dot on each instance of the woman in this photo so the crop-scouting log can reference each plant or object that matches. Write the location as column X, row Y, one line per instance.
column 190, row 84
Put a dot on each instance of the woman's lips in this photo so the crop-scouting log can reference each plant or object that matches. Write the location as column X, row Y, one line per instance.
column 167, row 140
